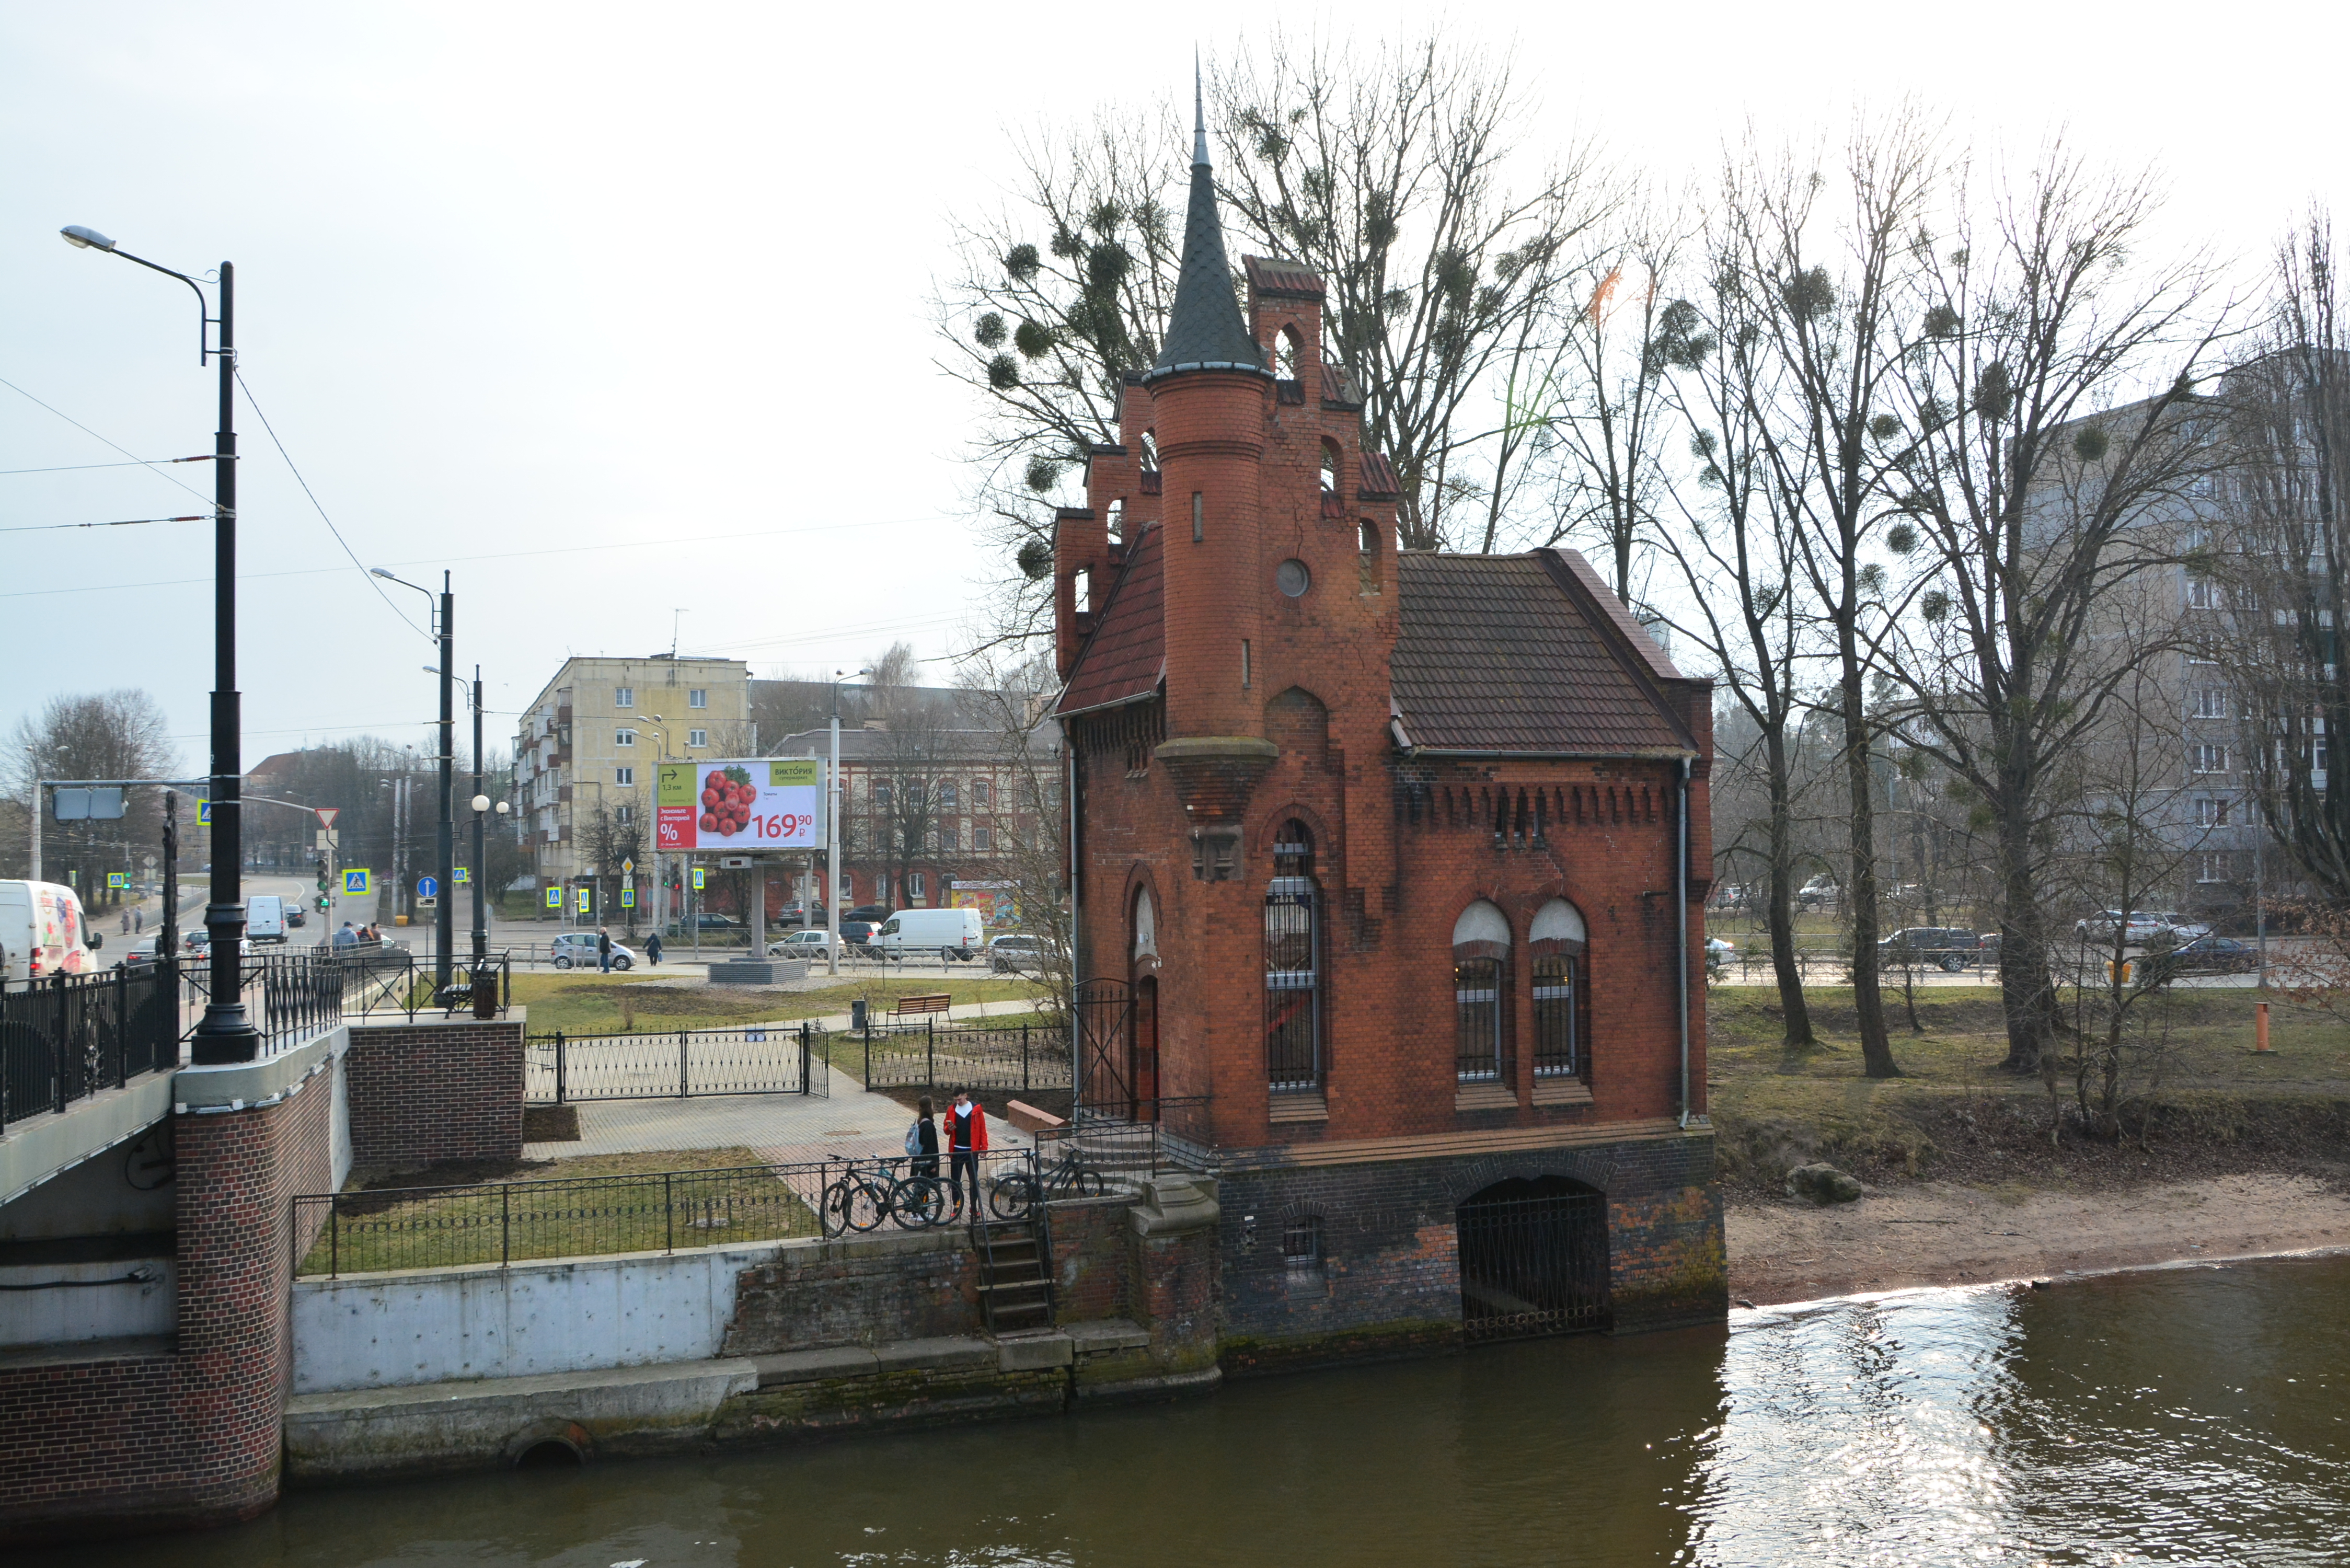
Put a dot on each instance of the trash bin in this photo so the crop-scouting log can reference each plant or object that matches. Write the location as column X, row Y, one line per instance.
column 857, row 1012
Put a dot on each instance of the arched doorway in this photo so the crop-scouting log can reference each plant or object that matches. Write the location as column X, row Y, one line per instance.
column 1534, row 1259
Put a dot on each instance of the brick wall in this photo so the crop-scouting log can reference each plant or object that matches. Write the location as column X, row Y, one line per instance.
column 1390, row 1277
column 186, row 1434
column 435, row 1090
column 873, row 1289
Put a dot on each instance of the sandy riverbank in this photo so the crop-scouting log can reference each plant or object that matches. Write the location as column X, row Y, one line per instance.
column 1944, row 1233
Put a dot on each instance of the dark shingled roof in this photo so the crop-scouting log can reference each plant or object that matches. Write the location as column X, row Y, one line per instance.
column 1205, row 327
column 1127, row 654
column 1379, row 481
column 1516, row 653
column 1285, row 279
column 1338, row 389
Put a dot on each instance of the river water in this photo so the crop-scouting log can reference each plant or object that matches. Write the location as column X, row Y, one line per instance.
column 2193, row 1416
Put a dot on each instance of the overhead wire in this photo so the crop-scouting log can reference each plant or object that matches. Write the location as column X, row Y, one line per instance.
column 117, row 523
column 80, row 467
column 118, row 446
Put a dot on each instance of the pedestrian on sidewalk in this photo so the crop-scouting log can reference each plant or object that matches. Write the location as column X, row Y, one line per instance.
column 126, row 922
column 966, row 1141
column 604, row 948
column 922, row 1142
column 348, row 937
column 652, row 948
column 138, row 920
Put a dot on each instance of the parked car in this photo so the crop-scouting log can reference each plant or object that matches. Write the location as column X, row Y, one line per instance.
column 685, row 926
column 577, row 949
column 1015, row 954
column 877, row 913
column 1718, row 954
column 809, row 944
column 1944, row 946
column 856, row 936
column 2101, row 926
column 2203, row 955
column 794, row 913
column 2180, row 926
column 44, row 932
column 1819, row 890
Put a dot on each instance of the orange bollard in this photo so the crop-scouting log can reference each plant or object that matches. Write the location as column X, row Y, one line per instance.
column 2260, row 1029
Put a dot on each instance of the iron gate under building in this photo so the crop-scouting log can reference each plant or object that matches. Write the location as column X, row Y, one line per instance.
column 1534, row 1259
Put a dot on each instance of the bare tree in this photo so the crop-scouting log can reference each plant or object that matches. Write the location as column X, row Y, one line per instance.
column 2038, row 493
column 119, row 734
column 1011, row 704
column 1834, row 333
column 1738, row 559
column 2277, row 591
column 1382, row 171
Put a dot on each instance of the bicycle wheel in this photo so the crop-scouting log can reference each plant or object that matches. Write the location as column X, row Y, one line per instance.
column 867, row 1204
column 1012, row 1197
column 919, row 1202
column 1088, row 1182
column 832, row 1210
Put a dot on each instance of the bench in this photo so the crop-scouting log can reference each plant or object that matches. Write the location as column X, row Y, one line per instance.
column 932, row 1002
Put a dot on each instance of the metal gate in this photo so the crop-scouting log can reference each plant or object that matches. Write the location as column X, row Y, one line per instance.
column 1534, row 1259
column 1107, row 1081
column 782, row 1060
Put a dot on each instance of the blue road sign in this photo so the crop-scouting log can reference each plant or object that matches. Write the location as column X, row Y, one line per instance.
column 427, row 887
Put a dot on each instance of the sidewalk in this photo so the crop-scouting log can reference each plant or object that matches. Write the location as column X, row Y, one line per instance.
column 780, row 1128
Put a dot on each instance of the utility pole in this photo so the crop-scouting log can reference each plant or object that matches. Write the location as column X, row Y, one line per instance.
column 444, row 906
column 481, row 907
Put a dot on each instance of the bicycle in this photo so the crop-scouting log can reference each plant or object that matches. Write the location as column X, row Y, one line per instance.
column 860, row 1198
column 1013, row 1193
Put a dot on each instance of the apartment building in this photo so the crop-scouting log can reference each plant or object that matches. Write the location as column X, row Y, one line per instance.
column 594, row 734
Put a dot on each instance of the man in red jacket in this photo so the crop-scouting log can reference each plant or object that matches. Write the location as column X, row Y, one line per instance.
column 966, row 1141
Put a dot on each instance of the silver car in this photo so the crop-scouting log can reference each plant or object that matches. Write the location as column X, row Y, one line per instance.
column 577, row 949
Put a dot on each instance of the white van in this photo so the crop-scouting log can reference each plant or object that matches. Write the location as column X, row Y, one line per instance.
column 265, row 918
column 43, row 932
column 958, row 932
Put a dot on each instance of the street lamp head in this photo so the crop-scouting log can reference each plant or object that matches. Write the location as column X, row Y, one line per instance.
column 504, row 808
column 85, row 239
column 380, row 572
column 481, row 803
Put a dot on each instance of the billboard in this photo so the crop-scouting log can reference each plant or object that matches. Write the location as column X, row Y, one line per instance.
column 738, row 806
column 993, row 900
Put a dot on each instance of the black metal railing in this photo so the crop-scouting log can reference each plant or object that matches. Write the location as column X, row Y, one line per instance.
column 963, row 1054
column 1172, row 1133
column 66, row 1038
column 289, row 997
column 390, row 1229
column 774, row 1059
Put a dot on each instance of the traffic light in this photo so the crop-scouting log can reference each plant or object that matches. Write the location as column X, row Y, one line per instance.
column 321, row 862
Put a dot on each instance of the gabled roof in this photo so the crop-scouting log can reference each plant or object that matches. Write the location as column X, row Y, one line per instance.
column 1125, row 656
column 1523, row 654
column 1378, row 481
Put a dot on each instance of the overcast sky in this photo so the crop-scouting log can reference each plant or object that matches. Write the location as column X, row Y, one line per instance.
column 618, row 310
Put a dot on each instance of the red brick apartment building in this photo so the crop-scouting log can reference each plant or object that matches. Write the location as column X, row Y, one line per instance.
column 1389, row 866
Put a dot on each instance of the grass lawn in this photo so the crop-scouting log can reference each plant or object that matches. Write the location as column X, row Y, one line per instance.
column 559, row 1209
column 587, row 1003
column 1955, row 1113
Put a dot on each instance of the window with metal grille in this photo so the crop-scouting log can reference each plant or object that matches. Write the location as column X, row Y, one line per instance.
column 1477, row 1011
column 1301, row 1242
column 1555, row 1047
column 1293, row 959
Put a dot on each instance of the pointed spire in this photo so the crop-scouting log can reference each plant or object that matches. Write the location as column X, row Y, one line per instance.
column 1199, row 116
column 1205, row 328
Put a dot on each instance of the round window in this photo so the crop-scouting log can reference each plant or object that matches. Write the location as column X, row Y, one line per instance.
column 1292, row 578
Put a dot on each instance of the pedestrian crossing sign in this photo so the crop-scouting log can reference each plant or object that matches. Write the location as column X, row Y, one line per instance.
column 583, row 900
column 117, row 879
column 203, row 811
column 627, row 897
column 464, row 875
column 357, row 882
column 555, row 898
column 697, row 878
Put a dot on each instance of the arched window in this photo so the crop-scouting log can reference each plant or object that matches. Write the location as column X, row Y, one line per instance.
column 1370, row 556
column 1149, row 453
column 1118, row 519
column 1480, row 949
column 1288, row 360
column 1330, row 459
column 1146, row 926
column 1293, row 965
column 1560, row 946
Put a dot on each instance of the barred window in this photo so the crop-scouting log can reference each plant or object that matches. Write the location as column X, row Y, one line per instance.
column 1555, row 1055
column 1301, row 1242
column 1481, row 943
column 1293, row 960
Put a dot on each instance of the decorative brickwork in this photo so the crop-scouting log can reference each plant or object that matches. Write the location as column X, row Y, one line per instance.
column 431, row 1091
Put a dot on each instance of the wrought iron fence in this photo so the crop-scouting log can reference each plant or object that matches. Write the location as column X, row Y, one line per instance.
column 505, row 1222
column 67, row 1038
column 964, row 1054
column 289, row 997
column 1168, row 1134
column 776, row 1059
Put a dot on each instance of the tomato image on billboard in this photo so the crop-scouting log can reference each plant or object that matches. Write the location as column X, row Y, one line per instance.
column 740, row 806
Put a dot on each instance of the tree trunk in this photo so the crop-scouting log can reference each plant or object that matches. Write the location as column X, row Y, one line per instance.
column 2027, row 995
column 1785, row 963
column 1868, row 1000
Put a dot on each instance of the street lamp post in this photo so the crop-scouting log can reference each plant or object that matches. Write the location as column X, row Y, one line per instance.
column 832, row 839
column 224, row 1033
column 445, row 863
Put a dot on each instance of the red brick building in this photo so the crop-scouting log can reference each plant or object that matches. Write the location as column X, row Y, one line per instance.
column 1389, row 864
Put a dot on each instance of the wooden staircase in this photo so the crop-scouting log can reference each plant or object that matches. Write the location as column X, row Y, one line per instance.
column 1015, row 1271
